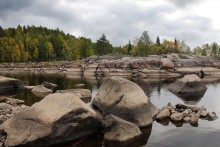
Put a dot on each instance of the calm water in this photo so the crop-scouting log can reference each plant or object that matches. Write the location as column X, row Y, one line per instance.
column 162, row 135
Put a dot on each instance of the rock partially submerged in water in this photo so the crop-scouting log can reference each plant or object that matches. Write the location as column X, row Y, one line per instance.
column 29, row 87
column 55, row 119
column 11, row 101
column 119, row 130
column 125, row 99
column 41, row 91
column 6, row 82
column 190, row 86
column 79, row 85
column 49, row 85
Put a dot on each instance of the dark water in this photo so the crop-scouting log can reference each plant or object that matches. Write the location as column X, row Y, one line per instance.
column 161, row 135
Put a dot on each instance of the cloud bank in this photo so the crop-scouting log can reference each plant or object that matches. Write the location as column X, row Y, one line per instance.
column 119, row 20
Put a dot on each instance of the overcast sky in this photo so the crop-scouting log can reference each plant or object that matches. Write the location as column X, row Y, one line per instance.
column 194, row 21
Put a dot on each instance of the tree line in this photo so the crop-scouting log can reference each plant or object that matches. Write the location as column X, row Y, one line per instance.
column 31, row 43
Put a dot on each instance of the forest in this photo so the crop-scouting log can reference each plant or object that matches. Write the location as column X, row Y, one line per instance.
column 32, row 43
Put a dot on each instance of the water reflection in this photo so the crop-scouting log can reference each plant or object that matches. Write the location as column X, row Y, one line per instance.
column 166, row 133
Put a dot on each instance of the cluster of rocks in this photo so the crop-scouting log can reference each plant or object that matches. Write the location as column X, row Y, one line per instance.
column 8, row 107
column 119, row 110
column 184, row 113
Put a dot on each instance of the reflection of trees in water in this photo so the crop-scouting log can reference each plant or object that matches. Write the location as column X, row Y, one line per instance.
column 149, row 85
column 28, row 97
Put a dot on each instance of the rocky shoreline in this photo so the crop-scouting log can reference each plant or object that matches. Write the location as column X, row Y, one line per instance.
column 164, row 66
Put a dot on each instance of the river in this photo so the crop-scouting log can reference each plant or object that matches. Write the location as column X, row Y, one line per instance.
column 166, row 134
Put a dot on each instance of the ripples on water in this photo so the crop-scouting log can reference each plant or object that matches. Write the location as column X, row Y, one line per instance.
column 161, row 135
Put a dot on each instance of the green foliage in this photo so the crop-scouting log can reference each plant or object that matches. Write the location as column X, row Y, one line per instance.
column 158, row 41
column 129, row 48
column 103, row 46
column 144, row 43
column 30, row 43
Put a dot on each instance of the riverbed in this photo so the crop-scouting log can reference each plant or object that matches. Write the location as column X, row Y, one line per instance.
column 166, row 134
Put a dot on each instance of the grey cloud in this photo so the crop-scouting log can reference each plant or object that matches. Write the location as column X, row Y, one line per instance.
column 184, row 3
column 13, row 5
column 120, row 21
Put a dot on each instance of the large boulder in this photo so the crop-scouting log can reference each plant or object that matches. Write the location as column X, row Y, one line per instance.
column 56, row 119
column 41, row 91
column 190, row 86
column 6, row 82
column 126, row 100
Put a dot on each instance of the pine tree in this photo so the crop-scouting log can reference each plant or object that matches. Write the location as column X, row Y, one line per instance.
column 129, row 48
column 158, row 41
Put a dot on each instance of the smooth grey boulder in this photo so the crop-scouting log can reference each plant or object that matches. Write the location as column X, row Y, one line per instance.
column 48, row 85
column 189, row 87
column 6, row 82
column 119, row 130
column 57, row 118
column 126, row 100
column 41, row 91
